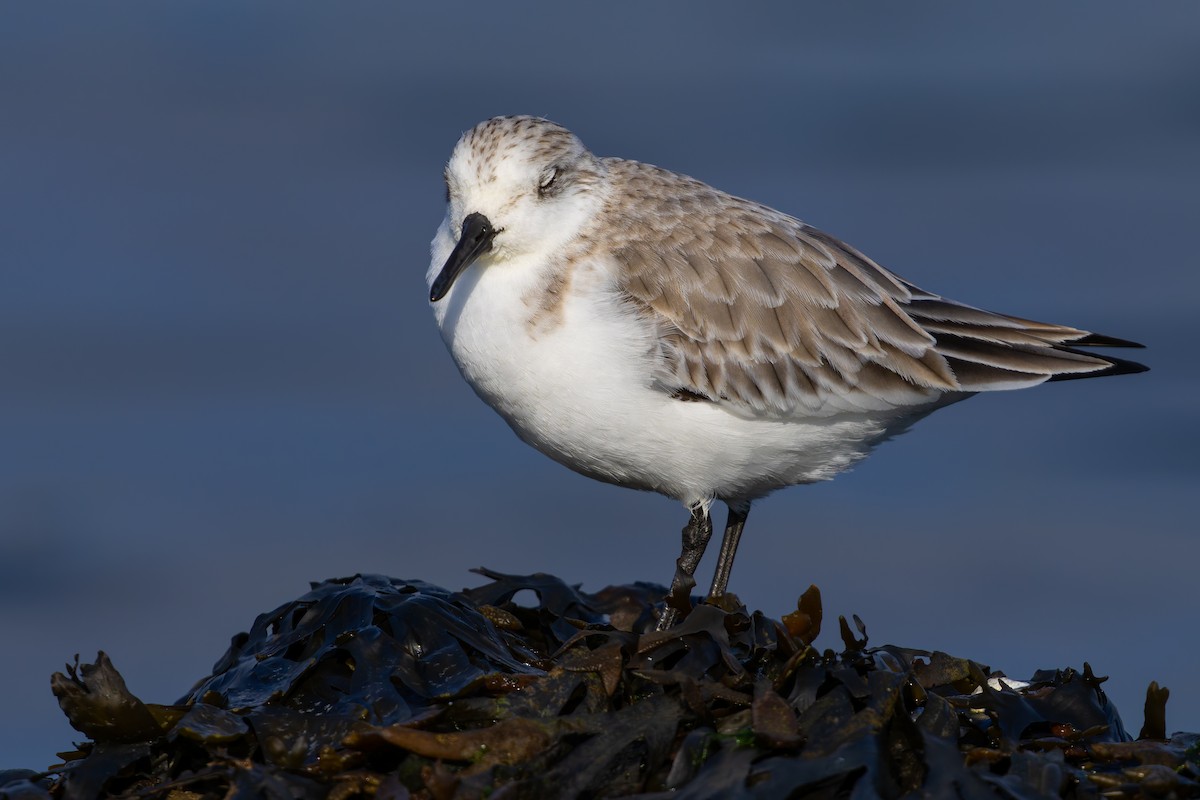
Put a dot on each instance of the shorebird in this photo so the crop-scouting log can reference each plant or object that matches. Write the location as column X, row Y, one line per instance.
column 650, row 331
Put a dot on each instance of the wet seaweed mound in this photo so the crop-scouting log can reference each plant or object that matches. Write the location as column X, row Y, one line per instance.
column 375, row 687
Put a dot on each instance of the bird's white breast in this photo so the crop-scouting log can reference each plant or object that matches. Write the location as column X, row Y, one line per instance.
column 570, row 380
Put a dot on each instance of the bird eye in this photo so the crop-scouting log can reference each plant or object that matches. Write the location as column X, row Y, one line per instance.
column 548, row 179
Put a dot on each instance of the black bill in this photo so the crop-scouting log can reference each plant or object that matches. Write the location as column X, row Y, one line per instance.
column 476, row 239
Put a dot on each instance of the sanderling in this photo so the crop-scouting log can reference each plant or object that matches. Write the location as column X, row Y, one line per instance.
column 648, row 330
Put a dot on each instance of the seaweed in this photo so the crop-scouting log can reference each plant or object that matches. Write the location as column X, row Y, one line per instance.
column 376, row 687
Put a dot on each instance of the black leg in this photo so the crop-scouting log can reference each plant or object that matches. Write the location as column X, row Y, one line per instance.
column 729, row 544
column 695, row 538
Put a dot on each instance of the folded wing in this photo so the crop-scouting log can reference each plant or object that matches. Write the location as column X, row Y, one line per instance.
column 760, row 311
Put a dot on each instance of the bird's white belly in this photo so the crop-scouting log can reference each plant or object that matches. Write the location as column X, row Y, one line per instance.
column 580, row 389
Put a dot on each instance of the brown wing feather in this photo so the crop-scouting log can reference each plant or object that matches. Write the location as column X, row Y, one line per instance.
column 758, row 309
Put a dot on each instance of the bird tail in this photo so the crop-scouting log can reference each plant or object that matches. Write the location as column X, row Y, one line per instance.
column 990, row 351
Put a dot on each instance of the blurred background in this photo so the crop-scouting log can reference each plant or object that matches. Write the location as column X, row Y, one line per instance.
column 219, row 377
